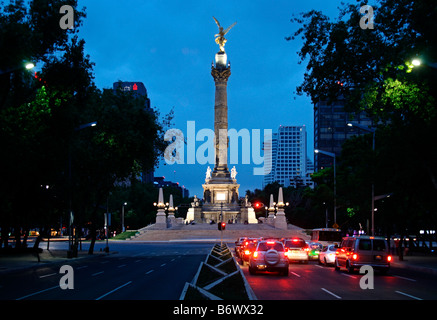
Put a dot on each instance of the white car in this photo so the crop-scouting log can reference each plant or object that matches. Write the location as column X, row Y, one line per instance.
column 327, row 255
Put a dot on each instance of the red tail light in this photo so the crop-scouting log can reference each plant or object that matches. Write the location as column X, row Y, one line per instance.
column 389, row 258
column 247, row 252
column 255, row 254
column 354, row 256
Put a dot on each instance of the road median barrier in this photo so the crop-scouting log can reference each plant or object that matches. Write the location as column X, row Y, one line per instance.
column 219, row 277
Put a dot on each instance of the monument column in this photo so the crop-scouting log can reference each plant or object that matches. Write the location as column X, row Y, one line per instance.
column 221, row 73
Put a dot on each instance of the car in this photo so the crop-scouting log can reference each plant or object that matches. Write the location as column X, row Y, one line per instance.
column 238, row 245
column 296, row 249
column 314, row 250
column 357, row 251
column 269, row 256
column 327, row 255
column 248, row 250
column 244, row 244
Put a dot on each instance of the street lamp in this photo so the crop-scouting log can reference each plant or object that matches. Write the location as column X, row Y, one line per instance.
column 26, row 65
column 29, row 65
column 335, row 182
column 372, row 131
column 416, row 62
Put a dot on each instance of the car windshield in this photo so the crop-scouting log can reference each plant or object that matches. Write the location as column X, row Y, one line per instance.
column 332, row 248
column 264, row 246
column 295, row 244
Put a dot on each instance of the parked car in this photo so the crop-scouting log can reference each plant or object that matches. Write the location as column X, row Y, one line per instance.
column 269, row 256
column 358, row 251
column 296, row 249
column 327, row 255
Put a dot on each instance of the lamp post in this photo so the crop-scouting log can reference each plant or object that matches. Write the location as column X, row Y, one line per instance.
column 71, row 253
column 372, row 131
column 335, row 182
column 122, row 217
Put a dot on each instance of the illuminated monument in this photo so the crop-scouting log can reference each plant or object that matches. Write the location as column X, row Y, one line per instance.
column 220, row 190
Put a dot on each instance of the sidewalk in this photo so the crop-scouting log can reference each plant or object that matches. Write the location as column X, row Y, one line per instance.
column 426, row 264
column 19, row 261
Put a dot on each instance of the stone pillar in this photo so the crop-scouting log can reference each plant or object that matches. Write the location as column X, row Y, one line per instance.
column 221, row 73
column 161, row 219
column 280, row 220
column 171, row 210
column 271, row 217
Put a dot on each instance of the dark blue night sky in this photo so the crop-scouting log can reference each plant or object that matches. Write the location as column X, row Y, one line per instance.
column 169, row 46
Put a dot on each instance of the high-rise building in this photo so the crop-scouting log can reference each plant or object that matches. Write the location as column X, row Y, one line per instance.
column 289, row 157
column 138, row 89
column 331, row 129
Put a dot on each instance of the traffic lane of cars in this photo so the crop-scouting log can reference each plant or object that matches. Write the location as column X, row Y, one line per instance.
column 315, row 281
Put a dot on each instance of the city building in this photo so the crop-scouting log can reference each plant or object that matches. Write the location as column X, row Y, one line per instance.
column 138, row 89
column 331, row 130
column 160, row 182
column 290, row 164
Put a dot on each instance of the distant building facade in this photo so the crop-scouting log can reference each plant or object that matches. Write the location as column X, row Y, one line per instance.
column 160, row 182
column 331, row 130
column 290, row 164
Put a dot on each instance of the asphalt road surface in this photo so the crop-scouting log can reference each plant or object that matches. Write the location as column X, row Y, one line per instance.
column 138, row 271
column 317, row 282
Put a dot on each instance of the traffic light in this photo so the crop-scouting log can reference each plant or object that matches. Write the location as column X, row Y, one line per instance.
column 257, row 205
column 222, row 226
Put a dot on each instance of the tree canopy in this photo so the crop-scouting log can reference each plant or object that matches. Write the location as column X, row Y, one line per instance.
column 54, row 161
column 373, row 70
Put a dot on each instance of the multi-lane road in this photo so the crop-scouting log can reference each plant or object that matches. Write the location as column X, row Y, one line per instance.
column 159, row 271
column 317, row 282
column 139, row 271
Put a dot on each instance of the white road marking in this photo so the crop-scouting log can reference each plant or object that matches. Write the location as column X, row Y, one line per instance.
column 409, row 279
column 295, row 274
column 348, row 275
column 32, row 294
column 47, row 275
column 150, row 271
column 408, row 295
column 122, row 265
column 123, row 285
column 163, row 264
column 82, row 267
column 327, row 291
column 97, row 273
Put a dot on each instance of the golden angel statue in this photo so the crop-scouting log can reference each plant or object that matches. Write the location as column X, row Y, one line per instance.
column 220, row 37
